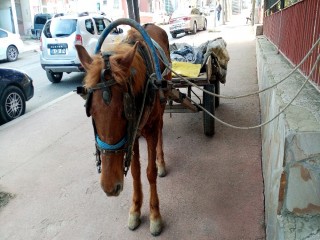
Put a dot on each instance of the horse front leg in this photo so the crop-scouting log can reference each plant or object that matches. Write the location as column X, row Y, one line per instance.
column 161, row 166
column 135, row 210
column 155, row 216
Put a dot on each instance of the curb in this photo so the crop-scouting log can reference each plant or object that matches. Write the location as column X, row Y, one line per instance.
column 31, row 113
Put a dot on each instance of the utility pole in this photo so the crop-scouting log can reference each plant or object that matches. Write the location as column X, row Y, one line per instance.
column 133, row 10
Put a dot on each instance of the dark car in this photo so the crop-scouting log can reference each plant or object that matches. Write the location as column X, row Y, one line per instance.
column 39, row 21
column 16, row 88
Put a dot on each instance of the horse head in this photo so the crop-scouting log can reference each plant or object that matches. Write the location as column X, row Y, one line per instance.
column 111, row 79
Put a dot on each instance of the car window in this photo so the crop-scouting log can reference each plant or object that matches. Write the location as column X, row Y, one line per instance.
column 100, row 24
column 195, row 11
column 40, row 20
column 3, row 34
column 63, row 27
column 46, row 30
column 89, row 26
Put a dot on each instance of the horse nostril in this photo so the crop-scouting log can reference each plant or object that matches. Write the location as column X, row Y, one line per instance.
column 118, row 188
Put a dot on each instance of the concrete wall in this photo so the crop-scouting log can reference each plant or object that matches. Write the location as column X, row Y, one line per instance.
column 291, row 150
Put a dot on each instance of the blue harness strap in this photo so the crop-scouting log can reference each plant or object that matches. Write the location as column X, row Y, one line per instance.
column 105, row 146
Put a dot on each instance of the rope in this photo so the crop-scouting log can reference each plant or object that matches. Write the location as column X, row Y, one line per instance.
column 270, row 120
column 254, row 93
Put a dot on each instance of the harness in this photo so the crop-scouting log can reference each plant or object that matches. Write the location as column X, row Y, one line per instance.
column 131, row 106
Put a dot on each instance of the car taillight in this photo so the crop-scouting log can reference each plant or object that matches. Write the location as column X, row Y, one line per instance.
column 78, row 39
column 40, row 43
column 186, row 18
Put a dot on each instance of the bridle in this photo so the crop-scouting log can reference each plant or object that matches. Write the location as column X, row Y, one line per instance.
column 125, row 145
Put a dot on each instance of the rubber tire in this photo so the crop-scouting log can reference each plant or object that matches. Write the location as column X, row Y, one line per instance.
column 205, row 25
column 54, row 77
column 209, row 105
column 194, row 29
column 217, row 91
column 12, row 53
column 13, row 96
column 174, row 35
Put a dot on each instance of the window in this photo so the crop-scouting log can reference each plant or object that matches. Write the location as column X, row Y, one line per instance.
column 100, row 24
column 3, row 34
column 63, row 27
column 116, row 4
column 89, row 26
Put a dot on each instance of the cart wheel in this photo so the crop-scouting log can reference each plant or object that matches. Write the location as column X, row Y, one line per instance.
column 209, row 105
column 217, row 91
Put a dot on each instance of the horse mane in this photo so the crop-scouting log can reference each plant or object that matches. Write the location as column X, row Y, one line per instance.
column 137, row 70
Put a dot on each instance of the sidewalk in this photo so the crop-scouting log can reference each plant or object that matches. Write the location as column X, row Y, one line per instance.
column 30, row 44
column 214, row 186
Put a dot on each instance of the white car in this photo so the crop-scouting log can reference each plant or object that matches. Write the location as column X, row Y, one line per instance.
column 61, row 33
column 187, row 20
column 10, row 45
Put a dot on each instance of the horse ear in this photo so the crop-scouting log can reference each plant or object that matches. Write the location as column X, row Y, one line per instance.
column 84, row 56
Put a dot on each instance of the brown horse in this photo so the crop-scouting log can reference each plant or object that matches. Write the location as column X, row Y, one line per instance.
column 117, row 82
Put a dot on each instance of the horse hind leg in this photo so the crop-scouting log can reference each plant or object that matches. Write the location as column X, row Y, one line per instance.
column 135, row 210
column 161, row 166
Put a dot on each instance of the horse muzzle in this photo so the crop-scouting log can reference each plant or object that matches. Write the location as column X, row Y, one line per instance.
column 115, row 191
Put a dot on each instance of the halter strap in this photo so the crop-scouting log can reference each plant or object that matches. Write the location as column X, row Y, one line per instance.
column 105, row 146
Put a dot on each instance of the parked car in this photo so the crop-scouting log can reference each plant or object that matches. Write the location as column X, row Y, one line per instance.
column 16, row 87
column 187, row 20
column 39, row 21
column 10, row 45
column 58, row 39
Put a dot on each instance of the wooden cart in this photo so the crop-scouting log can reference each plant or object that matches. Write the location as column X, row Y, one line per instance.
column 208, row 79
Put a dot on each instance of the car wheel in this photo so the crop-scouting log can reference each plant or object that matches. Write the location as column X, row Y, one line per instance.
column 205, row 25
column 12, row 104
column 54, row 77
column 194, row 30
column 12, row 53
column 174, row 35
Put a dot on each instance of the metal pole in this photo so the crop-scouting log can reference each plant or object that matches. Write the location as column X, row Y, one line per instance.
column 253, row 11
column 224, row 12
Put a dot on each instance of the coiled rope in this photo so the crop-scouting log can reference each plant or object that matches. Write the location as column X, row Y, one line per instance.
column 270, row 120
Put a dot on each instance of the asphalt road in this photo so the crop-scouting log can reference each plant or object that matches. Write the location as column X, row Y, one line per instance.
column 45, row 91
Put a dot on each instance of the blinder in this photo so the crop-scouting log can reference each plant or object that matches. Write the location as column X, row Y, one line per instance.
column 129, row 106
column 87, row 105
column 106, row 93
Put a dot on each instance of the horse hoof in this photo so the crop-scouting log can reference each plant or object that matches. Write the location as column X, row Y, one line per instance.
column 162, row 172
column 156, row 227
column 134, row 221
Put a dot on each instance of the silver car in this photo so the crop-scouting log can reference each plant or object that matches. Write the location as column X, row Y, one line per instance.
column 58, row 39
column 187, row 20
